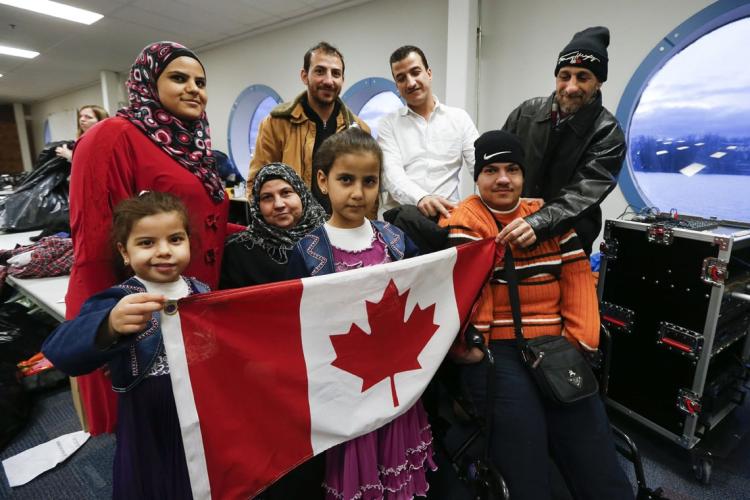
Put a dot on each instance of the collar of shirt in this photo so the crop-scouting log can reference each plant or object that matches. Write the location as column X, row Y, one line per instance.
column 407, row 110
column 312, row 115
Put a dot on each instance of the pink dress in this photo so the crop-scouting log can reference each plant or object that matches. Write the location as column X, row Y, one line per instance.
column 390, row 462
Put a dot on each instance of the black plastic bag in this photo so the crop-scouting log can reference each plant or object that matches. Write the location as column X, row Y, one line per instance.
column 15, row 404
column 21, row 336
column 41, row 200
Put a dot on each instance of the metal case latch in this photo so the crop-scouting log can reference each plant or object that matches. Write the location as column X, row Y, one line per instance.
column 659, row 234
column 688, row 402
column 714, row 271
column 609, row 248
column 679, row 339
column 617, row 318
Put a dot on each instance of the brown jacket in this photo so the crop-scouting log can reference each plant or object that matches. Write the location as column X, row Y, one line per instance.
column 288, row 136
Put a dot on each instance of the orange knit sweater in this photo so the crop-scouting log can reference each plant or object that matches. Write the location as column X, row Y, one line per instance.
column 556, row 286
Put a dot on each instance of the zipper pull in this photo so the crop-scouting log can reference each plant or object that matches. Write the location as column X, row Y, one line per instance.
column 537, row 360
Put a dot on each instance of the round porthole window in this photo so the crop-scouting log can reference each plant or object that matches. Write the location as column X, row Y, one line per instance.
column 687, row 111
column 248, row 110
column 371, row 98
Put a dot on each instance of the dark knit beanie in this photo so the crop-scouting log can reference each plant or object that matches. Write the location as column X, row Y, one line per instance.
column 587, row 49
column 497, row 146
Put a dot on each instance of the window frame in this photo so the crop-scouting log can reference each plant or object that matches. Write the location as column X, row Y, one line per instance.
column 365, row 89
column 709, row 19
column 240, row 120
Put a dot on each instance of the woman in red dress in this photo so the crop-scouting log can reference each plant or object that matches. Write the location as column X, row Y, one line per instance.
column 159, row 142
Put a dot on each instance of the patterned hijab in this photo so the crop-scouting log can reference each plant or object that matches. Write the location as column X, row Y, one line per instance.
column 189, row 142
column 276, row 241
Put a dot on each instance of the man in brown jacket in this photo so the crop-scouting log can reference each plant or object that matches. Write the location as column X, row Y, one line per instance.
column 294, row 130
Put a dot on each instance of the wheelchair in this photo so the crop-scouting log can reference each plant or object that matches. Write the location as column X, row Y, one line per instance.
column 460, row 431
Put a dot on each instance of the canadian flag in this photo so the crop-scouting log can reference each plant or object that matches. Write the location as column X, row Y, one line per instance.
column 266, row 377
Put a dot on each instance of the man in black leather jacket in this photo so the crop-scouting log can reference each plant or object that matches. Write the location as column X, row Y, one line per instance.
column 574, row 146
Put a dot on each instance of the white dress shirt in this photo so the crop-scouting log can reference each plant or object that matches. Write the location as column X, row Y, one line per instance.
column 422, row 157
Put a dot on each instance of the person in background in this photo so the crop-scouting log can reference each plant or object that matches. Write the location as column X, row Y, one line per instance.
column 88, row 115
column 160, row 142
column 282, row 211
column 121, row 327
column 557, row 297
column 574, row 147
column 294, row 130
column 390, row 462
column 425, row 144
column 228, row 172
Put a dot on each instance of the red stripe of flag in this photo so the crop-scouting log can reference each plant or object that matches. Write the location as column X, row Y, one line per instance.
column 473, row 267
column 254, row 416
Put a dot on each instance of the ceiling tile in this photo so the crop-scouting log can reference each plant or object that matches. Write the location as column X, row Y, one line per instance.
column 72, row 54
column 280, row 8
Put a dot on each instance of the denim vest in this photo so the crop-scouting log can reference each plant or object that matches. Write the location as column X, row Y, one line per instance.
column 317, row 253
column 130, row 367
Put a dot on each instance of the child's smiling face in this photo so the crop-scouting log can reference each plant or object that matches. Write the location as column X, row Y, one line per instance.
column 158, row 247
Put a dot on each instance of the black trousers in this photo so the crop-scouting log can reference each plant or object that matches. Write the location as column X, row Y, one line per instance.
column 527, row 430
column 304, row 482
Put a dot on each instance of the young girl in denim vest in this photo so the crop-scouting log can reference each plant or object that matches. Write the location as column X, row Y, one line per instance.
column 390, row 462
column 120, row 327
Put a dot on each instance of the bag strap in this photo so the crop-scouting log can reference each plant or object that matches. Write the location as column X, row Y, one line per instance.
column 515, row 300
column 512, row 279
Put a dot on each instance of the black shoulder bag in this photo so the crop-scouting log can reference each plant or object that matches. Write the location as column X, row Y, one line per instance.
column 560, row 370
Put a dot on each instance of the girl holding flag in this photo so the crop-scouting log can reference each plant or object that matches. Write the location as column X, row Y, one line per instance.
column 390, row 462
column 121, row 327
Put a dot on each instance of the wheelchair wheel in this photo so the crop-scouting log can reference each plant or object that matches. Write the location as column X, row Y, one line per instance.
column 702, row 470
column 486, row 482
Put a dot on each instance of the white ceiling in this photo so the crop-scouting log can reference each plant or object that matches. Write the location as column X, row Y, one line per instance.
column 72, row 54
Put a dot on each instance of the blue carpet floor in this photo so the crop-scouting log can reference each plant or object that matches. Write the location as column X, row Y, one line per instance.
column 88, row 473
column 669, row 466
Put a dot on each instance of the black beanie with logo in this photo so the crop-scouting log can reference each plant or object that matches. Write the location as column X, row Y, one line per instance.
column 587, row 49
column 497, row 146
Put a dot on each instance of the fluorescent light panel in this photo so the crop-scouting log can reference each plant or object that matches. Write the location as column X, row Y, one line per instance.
column 55, row 9
column 12, row 51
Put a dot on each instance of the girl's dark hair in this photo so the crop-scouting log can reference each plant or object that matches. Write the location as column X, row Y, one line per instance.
column 352, row 140
column 131, row 210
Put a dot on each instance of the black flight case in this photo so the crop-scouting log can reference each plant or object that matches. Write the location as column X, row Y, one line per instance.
column 675, row 295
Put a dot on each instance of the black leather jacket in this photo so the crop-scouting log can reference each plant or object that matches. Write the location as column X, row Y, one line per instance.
column 573, row 168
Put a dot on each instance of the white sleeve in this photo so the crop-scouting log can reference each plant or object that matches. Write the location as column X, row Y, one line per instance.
column 395, row 181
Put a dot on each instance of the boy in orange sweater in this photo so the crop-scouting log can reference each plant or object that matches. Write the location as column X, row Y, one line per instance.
column 558, row 297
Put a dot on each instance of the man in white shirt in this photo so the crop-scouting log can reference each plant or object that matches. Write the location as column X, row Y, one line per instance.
column 425, row 143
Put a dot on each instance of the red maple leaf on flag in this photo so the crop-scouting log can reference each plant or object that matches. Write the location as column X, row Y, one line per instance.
column 392, row 346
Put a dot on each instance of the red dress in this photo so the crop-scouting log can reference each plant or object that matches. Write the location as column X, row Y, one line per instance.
column 114, row 160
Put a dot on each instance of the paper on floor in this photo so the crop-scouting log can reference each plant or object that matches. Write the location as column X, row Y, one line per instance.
column 22, row 468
